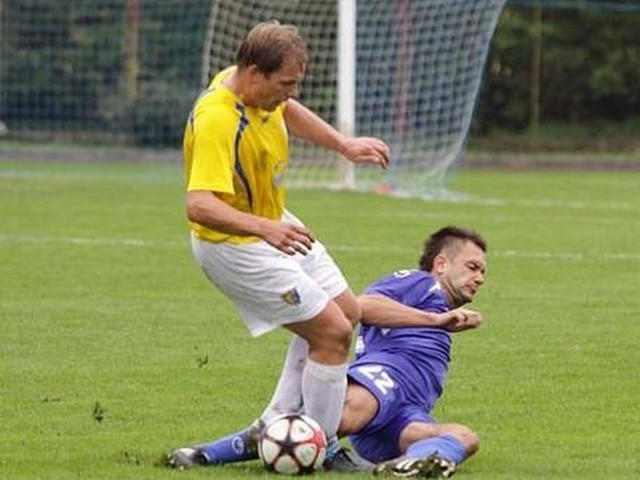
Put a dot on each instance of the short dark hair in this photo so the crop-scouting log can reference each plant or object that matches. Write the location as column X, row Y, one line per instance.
column 445, row 238
column 269, row 44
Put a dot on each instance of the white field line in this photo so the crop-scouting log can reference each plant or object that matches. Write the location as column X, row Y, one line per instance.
column 505, row 218
column 125, row 242
column 132, row 242
column 568, row 256
column 542, row 203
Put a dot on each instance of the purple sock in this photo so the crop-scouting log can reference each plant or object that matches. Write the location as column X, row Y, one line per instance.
column 446, row 446
column 229, row 449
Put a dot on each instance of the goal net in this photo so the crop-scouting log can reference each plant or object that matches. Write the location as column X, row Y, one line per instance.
column 418, row 67
column 125, row 72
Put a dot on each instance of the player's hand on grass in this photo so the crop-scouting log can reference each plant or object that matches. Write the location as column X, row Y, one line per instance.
column 460, row 319
column 287, row 237
column 366, row 150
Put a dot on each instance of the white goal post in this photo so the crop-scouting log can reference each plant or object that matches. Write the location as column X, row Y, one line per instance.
column 408, row 71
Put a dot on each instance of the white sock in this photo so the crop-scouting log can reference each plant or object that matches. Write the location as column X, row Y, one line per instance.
column 324, row 388
column 287, row 396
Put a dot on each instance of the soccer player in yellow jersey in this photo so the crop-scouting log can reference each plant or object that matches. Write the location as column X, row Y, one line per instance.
column 254, row 250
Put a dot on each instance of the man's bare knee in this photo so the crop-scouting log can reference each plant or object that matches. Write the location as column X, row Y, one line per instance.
column 417, row 431
column 470, row 440
column 328, row 334
column 349, row 305
column 335, row 338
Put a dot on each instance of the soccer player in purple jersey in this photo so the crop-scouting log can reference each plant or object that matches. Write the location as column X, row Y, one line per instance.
column 402, row 357
column 399, row 373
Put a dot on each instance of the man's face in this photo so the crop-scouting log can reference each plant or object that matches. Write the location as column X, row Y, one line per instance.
column 460, row 270
column 273, row 89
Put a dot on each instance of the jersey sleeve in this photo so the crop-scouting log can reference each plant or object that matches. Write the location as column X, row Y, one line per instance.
column 213, row 131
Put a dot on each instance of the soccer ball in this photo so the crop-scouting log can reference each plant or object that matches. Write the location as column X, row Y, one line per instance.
column 292, row 444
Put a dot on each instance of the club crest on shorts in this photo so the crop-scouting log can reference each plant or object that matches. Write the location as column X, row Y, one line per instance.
column 292, row 297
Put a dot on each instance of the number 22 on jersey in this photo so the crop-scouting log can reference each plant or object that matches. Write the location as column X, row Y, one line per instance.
column 378, row 376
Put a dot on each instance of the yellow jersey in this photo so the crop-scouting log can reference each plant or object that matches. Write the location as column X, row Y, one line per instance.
column 238, row 152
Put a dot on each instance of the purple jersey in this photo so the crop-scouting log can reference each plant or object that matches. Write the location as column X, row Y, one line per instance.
column 419, row 356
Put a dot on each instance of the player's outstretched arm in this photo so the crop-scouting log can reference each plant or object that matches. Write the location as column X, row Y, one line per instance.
column 385, row 312
column 305, row 124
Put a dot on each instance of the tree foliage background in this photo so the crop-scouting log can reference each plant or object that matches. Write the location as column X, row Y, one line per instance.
column 587, row 69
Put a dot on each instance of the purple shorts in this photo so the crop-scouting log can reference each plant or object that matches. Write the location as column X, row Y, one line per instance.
column 379, row 440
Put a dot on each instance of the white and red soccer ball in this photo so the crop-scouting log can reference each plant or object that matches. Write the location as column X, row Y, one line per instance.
column 292, row 444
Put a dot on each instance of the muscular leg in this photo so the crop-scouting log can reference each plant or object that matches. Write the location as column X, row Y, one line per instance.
column 287, row 396
column 431, row 450
column 324, row 384
column 324, row 380
column 359, row 409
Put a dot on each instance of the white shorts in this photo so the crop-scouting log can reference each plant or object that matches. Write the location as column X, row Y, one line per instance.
column 268, row 287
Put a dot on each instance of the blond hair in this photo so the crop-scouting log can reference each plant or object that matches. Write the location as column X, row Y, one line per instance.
column 269, row 45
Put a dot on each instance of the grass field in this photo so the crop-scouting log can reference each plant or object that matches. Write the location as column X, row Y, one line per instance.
column 115, row 348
